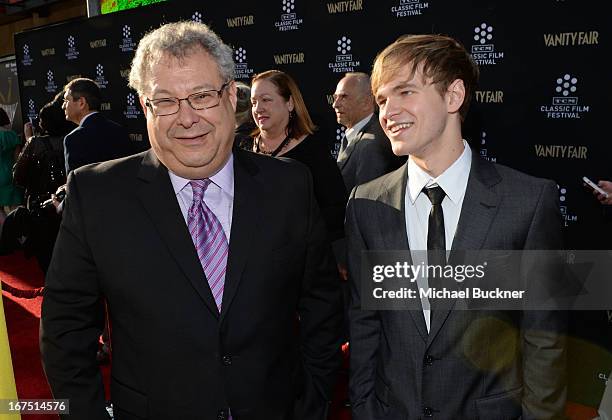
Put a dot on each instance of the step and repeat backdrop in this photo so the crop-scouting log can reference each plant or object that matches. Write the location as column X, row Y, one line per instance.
column 542, row 104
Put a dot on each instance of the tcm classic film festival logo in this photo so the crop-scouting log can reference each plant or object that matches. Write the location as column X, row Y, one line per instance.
column 289, row 20
column 336, row 147
column 242, row 67
column 71, row 53
column 51, row 87
column 483, row 51
column 404, row 8
column 127, row 43
column 132, row 110
column 484, row 152
column 197, row 17
column 565, row 101
column 31, row 110
column 100, row 79
column 566, row 213
column 27, row 59
column 345, row 62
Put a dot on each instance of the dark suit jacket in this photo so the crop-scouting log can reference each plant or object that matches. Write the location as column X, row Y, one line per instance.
column 473, row 364
column 98, row 139
column 368, row 156
column 123, row 238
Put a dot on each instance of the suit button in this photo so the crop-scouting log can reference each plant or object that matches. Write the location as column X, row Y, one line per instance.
column 227, row 360
column 428, row 412
column 222, row 415
column 428, row 360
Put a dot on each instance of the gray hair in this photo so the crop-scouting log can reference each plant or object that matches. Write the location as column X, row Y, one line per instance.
column 243, row 103
column 178, row 40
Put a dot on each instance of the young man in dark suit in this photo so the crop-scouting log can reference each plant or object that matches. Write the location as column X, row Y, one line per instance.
column 218, row 310
column 96, row 139
column 447, row 363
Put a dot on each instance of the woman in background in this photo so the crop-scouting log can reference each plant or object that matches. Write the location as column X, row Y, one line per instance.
column 40, row 169
column 284, row 128
column 10, row 195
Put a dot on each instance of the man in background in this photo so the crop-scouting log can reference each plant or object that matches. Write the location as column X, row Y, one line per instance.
column 96, row 139
column 365, row 151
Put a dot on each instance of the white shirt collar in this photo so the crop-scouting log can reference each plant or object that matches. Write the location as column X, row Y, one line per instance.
column 453, row 180
column 350, row 133
column 223, row 178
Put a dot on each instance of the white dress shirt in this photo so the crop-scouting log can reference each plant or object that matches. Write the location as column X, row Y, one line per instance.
column 219, row 196
column 454, row 183
column 352, row 132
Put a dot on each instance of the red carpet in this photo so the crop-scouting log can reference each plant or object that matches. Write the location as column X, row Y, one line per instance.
column 22, row 319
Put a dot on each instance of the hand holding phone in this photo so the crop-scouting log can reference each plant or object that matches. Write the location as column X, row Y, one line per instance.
column 594, row 186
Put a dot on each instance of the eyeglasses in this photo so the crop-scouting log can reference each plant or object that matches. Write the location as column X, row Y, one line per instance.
column 198, row 101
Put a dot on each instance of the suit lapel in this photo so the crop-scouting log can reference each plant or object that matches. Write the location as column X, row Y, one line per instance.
column 159, row 201
column 478, row 211
column 393, row 216
column 346, row 154
column 245, row 219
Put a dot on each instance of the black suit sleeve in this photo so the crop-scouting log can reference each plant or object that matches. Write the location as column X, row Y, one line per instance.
column 364, row 325
column 73, row 316
column 320, row 316
column 74, row 156
column 544, row 332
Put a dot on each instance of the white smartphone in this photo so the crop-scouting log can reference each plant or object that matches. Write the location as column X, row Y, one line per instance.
column 594, row 186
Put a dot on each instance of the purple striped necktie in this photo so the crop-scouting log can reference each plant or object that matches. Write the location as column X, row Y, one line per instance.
column 209, row 240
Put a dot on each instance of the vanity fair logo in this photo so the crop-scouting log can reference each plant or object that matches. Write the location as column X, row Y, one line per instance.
column 26, row 60
column 51, row 87
column 71, row 53
column 127, row 43
column 405, row 8
column 483, row 49
column 242, row 67
column 344, row 6
column 239, row 21
column 132, row 110
column 289, row 58
column 565, row 103
column 289, row 20
column 345, row 62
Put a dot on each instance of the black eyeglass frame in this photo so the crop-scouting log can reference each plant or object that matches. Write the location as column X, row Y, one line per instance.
column 149, row 103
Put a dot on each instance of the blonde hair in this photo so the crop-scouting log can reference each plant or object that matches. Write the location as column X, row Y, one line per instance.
column 441, row 58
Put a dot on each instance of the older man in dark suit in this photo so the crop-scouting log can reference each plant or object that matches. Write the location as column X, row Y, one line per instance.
column 365, row 152
column 96, row 139
column 446, row 363
column 218, row 310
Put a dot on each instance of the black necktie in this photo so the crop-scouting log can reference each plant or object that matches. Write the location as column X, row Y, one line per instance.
column 343, row 143
column 436, row 237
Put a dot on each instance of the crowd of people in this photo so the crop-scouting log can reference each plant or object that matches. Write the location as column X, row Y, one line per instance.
column 232, row 249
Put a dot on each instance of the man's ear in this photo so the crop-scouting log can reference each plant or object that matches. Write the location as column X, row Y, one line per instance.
column 455, row 95
column 232, row 93
column 145, row 109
